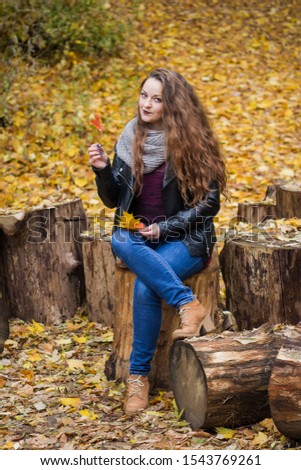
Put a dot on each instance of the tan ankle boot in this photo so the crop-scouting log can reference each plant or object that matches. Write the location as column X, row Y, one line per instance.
column 138, row 389
column 193, row 319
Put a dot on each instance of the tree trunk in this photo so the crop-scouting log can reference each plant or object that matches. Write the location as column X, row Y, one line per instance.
column 99, row 268
column 288, row 197
column 285, row 387
column 251, row 213
column 262, row 279
column 42, row 260
column 205, row 286
column 222, row 380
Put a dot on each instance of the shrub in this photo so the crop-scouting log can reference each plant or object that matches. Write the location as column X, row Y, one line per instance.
column 46, row 28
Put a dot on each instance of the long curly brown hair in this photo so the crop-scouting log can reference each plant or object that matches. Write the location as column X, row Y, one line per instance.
column 191, row 146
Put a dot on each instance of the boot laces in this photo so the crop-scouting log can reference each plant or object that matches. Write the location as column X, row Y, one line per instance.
column 183, row 315
column 135, row 386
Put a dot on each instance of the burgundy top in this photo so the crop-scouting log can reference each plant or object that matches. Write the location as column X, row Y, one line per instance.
column 149, row 204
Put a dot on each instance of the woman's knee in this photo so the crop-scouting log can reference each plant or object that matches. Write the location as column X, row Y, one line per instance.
column 119, row 241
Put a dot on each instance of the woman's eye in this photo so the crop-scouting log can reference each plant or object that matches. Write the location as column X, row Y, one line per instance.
column 143, row 95
column 158, row 100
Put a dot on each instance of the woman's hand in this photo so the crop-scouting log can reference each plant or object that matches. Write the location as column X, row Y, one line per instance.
column 152, row 232
column 97, row 156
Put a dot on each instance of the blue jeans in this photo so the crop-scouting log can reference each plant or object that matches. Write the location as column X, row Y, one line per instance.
column 160, row 268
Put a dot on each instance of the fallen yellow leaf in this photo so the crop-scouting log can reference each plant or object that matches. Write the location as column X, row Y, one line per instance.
column 226, row 432
column 89, row 414
column 34, row 356
column 74, row 402
column 75, row 364
column 80, row 339
column 107, row 337
column 260, row 439
column 36, row 327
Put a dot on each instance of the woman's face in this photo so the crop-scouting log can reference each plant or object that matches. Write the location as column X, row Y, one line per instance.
column 150, row 104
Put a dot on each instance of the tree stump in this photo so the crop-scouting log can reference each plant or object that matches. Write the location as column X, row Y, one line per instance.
column 42, row 261
column 262, row 279
column 285, row 387
column 99, row 269
column 4, row 313
column 4, row 324
column 205, row 286
column 222, row 380
column 288, row 197
column 254, row 214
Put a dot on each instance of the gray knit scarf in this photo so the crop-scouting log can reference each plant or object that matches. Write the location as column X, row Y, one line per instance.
column 154, row 149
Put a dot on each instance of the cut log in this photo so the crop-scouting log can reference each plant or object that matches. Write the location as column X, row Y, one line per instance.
column 205, row 286
column 4, row 312
column 285, row 388
column 254, row 214
column 99, row 269
column 262, row 279
column 42, row 262
column 222, row 380
column 270, row 194
column 288, row 197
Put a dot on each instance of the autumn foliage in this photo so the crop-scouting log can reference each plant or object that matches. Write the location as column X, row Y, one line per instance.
column 243, row 58
column 129, row 222
column 47, row 29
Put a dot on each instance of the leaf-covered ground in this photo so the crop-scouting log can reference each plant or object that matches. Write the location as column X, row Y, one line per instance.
column 54, row 395
column 243, row 57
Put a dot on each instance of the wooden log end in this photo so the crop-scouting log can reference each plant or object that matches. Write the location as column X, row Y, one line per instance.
column 285, row 388
column 11, row 223
column 185, row 369
column 222, row 379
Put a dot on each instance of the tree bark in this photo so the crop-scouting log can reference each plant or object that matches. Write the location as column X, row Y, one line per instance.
column 262, row 279
column 285, row 387
column 42, row 261
column 251, row 213
column 99, row 269
column 222, row 380
column 4, row 312
column 205, row 286
column 288, row 197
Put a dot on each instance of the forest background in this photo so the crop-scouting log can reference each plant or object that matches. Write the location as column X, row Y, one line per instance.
column 63, row 61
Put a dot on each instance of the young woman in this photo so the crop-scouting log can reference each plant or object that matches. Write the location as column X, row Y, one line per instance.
column 168, row 171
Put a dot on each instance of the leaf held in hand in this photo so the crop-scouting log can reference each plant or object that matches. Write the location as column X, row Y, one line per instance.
column 129, row 222
column 95, row 121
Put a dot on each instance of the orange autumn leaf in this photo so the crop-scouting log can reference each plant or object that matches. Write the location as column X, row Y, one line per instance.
column 95, row 121
column 129, row 222
column 28, row 374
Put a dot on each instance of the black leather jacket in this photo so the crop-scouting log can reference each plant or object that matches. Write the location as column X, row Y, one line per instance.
column 193, row 225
